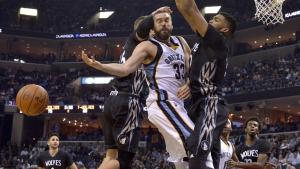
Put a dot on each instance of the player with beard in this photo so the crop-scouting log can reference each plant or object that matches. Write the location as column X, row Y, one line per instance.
column 253, row 153
column 55, row 158
column 124, row 106
column 165, row 59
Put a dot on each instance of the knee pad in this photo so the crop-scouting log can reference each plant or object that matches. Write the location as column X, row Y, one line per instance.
column 125, row 159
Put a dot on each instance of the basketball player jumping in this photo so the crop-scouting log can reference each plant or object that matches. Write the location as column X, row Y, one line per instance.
column 253, row 153
column 55, row 158
column 208, row 67
column 165, row 59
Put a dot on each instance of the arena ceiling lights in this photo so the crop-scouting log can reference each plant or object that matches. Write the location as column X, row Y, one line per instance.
column 28, row 11
column 211, row 9
column 95, row 80
column 105, row 14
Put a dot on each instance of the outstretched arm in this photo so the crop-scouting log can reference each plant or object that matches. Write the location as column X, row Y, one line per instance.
column 192, row 15
column 140, row 53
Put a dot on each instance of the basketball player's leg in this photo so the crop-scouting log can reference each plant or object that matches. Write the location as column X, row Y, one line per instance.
column 174, row 127
column 107, row 121
column 128, row 146
column 110, row 160
column 126, row 130
column 118, row 155
column 201, row 144
column 222, row 116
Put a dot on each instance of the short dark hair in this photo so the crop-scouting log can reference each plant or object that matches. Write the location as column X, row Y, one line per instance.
column 253, row 119
column 138, row 21
column 231, row 21
column 53, row 134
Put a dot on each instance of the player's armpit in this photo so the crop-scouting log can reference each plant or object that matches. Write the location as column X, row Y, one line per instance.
column 192, row 15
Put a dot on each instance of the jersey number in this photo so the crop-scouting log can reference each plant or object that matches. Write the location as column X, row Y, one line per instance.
column 179, row 71
column 248, row 160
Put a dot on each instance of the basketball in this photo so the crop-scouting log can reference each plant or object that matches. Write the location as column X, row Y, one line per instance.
column 32, row 99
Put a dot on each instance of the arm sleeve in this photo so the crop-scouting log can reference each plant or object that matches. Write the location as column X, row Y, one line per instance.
column 69, row 159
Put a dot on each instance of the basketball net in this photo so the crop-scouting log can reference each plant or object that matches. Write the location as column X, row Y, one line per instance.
column 269, row 11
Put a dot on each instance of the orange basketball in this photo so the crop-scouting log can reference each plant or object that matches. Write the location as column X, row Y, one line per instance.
column 32, row 99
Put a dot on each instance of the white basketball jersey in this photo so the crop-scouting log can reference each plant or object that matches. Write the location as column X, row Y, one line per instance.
column 226, row 154
column 166, row 73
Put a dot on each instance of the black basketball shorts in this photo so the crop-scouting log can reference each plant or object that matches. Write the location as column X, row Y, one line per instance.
column 120, row 122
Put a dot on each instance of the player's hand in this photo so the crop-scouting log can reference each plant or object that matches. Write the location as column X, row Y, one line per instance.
column 89, row 61
column 163, row 9
column 184, row 92
column 231, row 164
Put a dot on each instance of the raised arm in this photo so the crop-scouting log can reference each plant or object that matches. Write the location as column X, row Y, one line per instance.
column 192, row 15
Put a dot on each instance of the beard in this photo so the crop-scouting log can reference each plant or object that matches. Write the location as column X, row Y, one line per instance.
column 163, row 34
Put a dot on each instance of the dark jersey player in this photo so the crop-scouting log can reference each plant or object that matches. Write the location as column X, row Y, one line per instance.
column 55, row 158
column 123, row 108
column 208, row 67
column 253, row 152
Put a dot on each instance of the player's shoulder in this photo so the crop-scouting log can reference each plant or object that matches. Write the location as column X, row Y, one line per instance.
column 44, row 154
column 231, row 143
column 263, row 144
column 147, row 45
column 261, row 141
column 61, row 152
column 181, row 38
column 240, row 147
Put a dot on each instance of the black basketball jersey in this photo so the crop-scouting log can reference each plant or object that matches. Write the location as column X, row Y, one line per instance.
column 61, row 160
column 249, row 154
column 133, row 83
column 209, row 63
